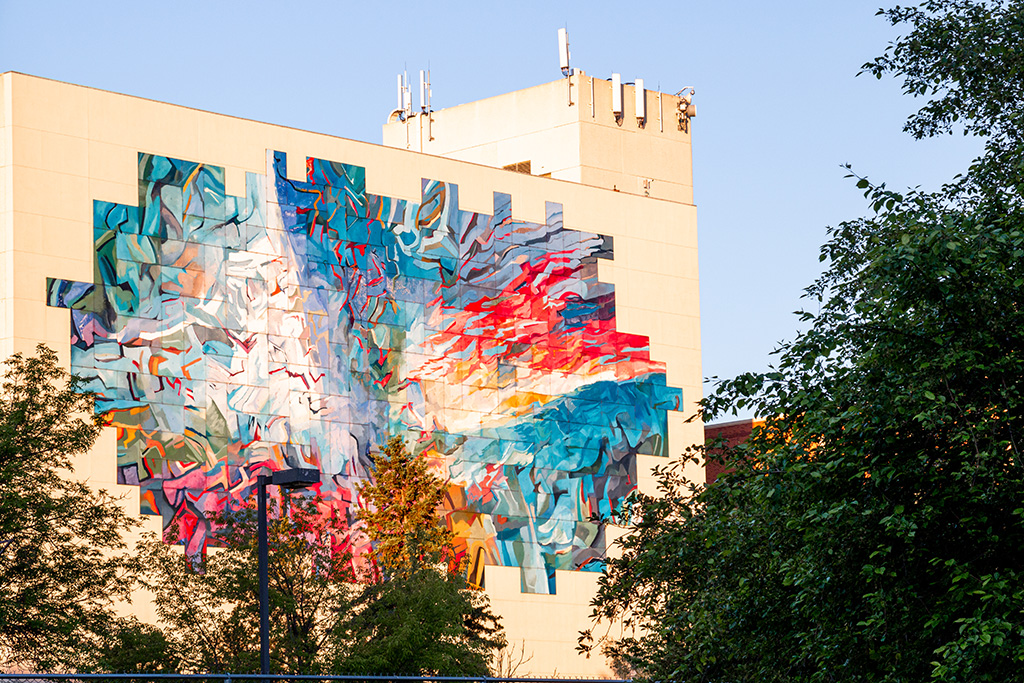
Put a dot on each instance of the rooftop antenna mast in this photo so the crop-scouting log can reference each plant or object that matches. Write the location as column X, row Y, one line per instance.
column 398, row 113
column 563, row 60
column 405, row 103
column 404, row 112
column 640, row 107
column 617, row 109
column 426, row 94
column 406, row 94
column 425, row 108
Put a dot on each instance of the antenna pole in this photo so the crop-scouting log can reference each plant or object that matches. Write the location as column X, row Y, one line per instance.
column 430, row 110
column 563, row 60
column 406, row 106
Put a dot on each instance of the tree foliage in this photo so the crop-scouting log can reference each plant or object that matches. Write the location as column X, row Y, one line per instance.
column 873, row 529
column 966, row 58
column 426, row 621
column 62, row 559
column 210, row 609
column 418, row 616
column 402, row 514
column 413, row 615
column 131, row 646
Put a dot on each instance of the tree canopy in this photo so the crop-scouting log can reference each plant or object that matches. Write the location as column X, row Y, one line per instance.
column 402, row 513
column 62, row 556
column 965, row 57
column 424, row 622
column 210, row 609
column 413, row 615
column 418, row 616
column 872, row 530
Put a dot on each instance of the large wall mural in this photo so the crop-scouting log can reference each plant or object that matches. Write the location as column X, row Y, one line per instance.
column 304, row 323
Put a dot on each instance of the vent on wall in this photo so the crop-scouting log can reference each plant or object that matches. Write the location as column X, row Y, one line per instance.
column 518, row 167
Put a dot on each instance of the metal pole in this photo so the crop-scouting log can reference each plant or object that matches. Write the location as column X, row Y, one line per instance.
column 264, row 578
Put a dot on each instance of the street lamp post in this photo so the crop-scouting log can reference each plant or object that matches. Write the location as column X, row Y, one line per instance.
column 290, row 480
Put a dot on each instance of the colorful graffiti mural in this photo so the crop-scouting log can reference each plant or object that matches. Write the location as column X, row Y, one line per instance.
column 301, row 324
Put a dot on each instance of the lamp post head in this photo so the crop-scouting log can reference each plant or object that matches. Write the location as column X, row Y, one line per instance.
column 298, row 478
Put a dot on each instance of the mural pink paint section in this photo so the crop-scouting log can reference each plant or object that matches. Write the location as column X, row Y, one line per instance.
column 302, row 324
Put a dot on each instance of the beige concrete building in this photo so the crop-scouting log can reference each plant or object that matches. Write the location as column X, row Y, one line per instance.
column 567, row 130
column 244, row 295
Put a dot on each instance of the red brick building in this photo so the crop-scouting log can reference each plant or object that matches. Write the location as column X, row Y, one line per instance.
column 734, row 434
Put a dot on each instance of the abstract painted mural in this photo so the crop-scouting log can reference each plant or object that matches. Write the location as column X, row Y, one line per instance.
column 302, row 324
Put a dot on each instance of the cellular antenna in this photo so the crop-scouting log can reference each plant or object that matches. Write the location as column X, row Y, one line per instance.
column 425, row 96
column 563, row 61
column 400, row 113
column 617, row 96
column 406, row 95
column 641, row 102
column 563, row 52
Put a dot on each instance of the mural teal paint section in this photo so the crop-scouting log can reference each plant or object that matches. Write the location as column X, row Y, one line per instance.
column 301, row 324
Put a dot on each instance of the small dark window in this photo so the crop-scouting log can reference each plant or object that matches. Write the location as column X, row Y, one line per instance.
column 520, row 167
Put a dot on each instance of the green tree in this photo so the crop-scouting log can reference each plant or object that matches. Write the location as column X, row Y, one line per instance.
column 424, row 622
column 62, row 559
column 418, row 616
column 965, row 57
column 415, row 615
column 210, row 609
column 873, row 528
column 402, row 516
column 131, row 646
column 211, row 623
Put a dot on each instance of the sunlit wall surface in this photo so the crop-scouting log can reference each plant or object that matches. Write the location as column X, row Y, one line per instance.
column 304, row 323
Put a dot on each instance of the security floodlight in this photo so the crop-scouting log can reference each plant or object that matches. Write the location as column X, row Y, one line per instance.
column 686, row 110
column 291, row 479
column 298, row 478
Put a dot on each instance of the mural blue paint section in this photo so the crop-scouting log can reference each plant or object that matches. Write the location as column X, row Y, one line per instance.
column 301, row 324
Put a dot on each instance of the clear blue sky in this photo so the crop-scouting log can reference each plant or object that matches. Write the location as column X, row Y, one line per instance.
column 779, row 103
